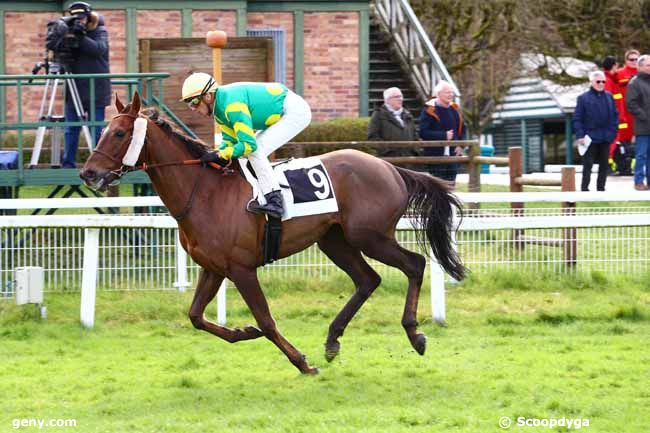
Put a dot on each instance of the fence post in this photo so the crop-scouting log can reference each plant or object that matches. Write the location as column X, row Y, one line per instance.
column 570, row 234
column 181, row 282
column 89, row 277
column 437, row 277
column 474, row 172
column 221, row 303
column 515, row 168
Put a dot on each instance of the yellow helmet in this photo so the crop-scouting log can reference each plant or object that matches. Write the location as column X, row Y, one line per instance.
column 198, row 84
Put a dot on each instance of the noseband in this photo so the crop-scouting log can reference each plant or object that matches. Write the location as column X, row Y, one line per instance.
column 124, row 168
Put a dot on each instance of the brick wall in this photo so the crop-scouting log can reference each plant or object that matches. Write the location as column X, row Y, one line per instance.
column 25, row 46
column 331, row 51
column 274, row 20
column 331, row 70
column 115, row 21
column 204, row 21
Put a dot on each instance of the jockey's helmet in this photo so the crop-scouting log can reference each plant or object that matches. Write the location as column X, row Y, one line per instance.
column 197, row 84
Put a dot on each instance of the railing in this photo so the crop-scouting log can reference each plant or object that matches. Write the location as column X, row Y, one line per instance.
column 413, row 45
column 140, row 252
column 149, row 85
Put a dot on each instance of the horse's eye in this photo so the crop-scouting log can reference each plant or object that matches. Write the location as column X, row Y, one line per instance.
column 120, row 133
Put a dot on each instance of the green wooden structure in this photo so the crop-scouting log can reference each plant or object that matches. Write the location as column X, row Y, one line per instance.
column 59, row 177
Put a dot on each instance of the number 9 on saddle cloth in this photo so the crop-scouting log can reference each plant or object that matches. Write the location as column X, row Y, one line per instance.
column 306, row 190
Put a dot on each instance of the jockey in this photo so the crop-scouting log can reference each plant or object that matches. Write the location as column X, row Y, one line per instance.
column 240, row 109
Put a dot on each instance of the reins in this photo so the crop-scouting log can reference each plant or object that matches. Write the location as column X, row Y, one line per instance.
column 146, row 167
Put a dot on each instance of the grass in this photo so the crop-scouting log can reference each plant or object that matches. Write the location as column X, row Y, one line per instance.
column 577, row 349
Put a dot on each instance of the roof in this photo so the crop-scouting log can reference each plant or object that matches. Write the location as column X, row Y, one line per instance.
column 530, row 96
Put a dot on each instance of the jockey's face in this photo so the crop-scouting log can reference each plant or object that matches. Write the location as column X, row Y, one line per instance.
column 204, row 107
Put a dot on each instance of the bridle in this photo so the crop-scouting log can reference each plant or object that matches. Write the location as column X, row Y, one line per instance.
column 124, row 169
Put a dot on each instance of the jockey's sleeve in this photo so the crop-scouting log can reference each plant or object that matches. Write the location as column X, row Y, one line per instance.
column 239, row 117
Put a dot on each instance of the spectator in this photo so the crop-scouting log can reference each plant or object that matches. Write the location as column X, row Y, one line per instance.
column 392, row 122
column 595, row 122
column 619, row 157
column 442, row 120
column 638, row 104
column 90, row 57
column 625, row 133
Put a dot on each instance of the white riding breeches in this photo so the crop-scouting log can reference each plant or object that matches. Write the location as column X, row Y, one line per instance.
column 295, row 117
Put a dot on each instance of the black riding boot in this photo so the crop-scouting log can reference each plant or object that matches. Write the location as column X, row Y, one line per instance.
column 274, row 205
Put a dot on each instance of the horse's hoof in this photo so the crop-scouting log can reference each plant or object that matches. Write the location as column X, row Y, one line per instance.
column 331, row 350
column 253, row 331
column 311, row 370
column 420, row 343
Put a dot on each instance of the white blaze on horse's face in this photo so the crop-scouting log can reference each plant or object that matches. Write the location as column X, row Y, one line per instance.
column 135, row 147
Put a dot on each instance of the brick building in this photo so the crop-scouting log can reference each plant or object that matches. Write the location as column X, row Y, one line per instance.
column 326, row 42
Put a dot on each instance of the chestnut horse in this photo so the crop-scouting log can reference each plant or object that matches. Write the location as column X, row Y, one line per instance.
column 225, row 239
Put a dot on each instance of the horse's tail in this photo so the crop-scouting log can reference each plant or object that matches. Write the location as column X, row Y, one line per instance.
column 431, row 201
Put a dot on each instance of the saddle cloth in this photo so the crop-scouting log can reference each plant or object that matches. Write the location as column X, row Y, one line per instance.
column 306, row 186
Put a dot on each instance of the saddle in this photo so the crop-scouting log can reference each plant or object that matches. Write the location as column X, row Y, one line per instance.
column 306, row 190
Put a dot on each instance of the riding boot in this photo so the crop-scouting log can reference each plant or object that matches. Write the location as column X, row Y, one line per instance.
column 274, row 205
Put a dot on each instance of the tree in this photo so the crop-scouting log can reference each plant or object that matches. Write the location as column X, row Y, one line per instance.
column 477, row 41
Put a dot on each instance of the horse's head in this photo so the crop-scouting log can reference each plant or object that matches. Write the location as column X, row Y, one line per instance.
column 119, row 148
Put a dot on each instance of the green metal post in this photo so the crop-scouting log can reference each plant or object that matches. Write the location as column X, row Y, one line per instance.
column 3, row 97
column 364, row 61
column 131, row 40
column 19, row 119
column 93, row 109
column 186, row 23
column 241, row 22
column 568, row 132
column 524, row 146
column 299, row 52
column 161, row 90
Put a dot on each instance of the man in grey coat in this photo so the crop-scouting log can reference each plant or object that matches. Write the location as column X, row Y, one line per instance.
column 392, row 122
column 637, row 101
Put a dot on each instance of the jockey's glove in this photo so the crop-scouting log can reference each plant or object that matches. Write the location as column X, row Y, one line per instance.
column 213, row 157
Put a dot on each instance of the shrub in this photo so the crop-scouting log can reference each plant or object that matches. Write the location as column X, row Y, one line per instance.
column 341, row 129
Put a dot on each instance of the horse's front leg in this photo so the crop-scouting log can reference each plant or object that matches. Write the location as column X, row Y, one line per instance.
column 249, row 287
column 206, row 290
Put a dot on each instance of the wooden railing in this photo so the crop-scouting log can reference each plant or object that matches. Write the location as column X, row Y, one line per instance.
column 413, row 45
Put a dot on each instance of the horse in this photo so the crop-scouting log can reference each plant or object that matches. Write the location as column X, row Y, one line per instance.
column 224, row 238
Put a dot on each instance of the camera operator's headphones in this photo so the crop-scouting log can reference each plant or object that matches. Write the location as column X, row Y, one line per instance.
column 80, row 8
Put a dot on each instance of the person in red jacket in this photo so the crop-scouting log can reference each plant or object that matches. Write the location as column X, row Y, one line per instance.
column 622, row 150
column 610, row 67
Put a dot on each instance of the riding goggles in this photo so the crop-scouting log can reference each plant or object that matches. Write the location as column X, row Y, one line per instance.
column 194, row 102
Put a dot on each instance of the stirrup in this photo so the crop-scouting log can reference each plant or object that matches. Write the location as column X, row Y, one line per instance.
column 254, row 206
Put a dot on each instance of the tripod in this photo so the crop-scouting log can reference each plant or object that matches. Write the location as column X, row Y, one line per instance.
column 51, row 85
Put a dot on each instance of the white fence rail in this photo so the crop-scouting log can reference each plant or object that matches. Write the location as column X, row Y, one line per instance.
column 140, row 252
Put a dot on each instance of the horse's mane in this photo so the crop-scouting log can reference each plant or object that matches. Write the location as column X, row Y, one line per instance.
column 194, row 146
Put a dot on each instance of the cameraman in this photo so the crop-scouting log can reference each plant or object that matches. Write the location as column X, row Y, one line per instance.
column 91, row 56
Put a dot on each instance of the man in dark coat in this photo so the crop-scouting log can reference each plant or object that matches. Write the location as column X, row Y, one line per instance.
column 392, row 122
column 441, row 120
column 90, row 57
column 596, row 124
column 638, row 104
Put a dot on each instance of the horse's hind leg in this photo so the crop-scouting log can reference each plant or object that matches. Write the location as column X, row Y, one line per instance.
column 206, row 290
column 366, row 280
column 388, row 251
column 249, row 287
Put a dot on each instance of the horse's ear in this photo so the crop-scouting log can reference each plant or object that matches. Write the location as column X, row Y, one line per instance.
column 118, row 103
column 135, row 103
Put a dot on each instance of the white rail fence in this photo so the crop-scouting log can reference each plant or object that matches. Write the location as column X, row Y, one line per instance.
column 142, row 252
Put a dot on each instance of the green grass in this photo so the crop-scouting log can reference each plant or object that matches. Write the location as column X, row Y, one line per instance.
column 578, row 348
